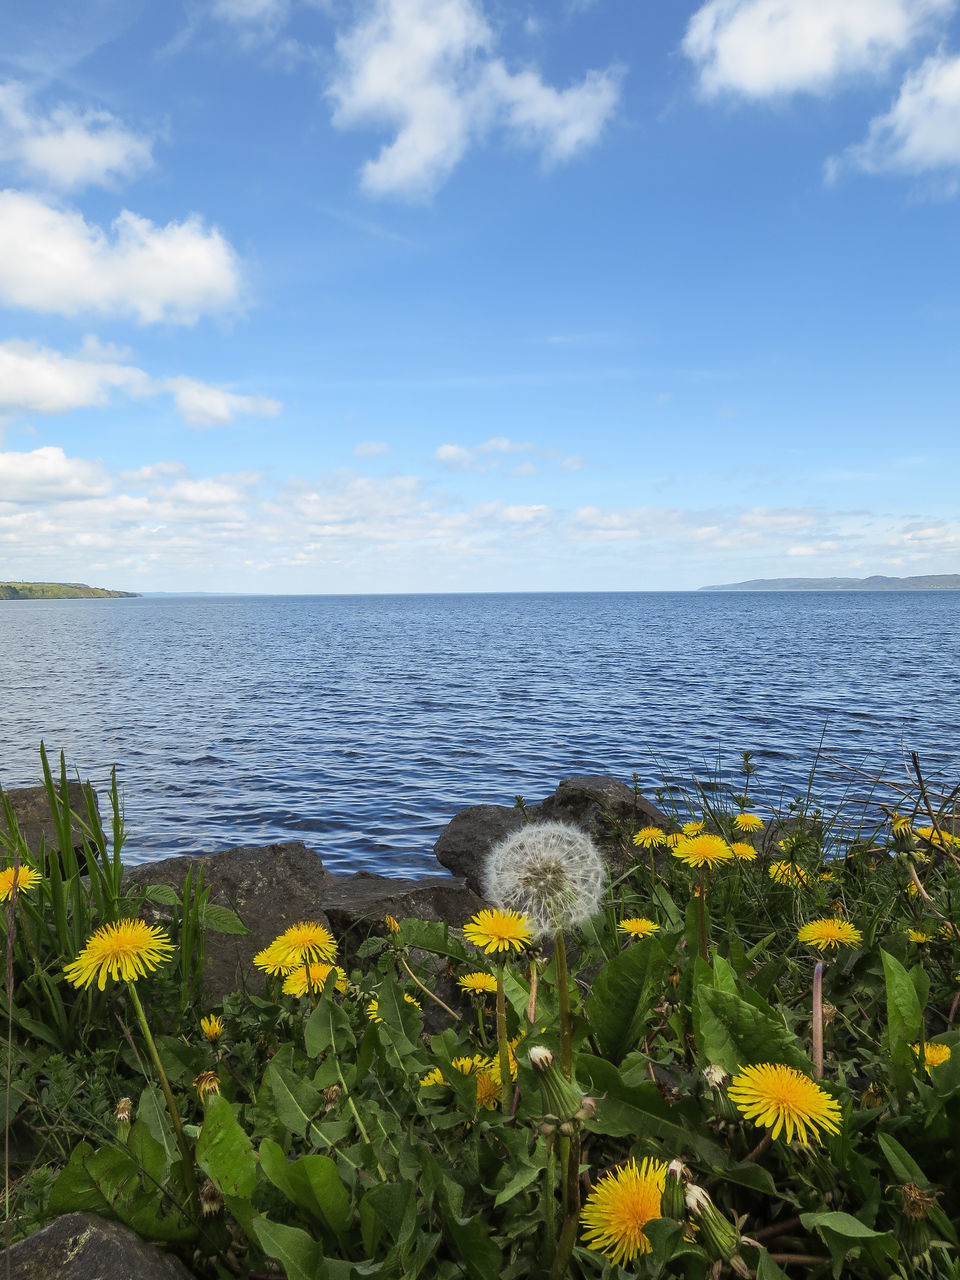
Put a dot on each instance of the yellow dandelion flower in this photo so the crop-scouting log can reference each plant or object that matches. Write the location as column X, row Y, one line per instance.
column 899, row 824
column 779, row 1097
column 675, row 838
column 392, row 924
column 787, row 873
column 649, row 838
column 304, row 941
column 691, row 829
column 912, row 889
column 704, row 851
column 311, row 977
column 934, row 1055
column 477, row 983
column 498, row 931
column 470, row 1066
column 124, row 950
column 786, row 844
column 620, row 1206
column 212, row 1027
column 488, row 1088
column 744, row 852
column 638, row 927
column 826, row 876
column 433, row 1076
column 747, row 822
column 25, row 878
column 829, row 933
column 373, row 1008
column 919, row 936
column 206, row 1084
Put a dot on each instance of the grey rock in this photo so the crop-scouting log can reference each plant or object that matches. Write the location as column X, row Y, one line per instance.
column 31, row 809
column 357, row 905
column 81, row 1246
column 602, row 806
column 270, row 887
column 470, row 835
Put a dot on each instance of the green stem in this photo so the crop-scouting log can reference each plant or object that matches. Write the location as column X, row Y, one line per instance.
column 563, row 999
column 185, row 1152
column 568, row 1232
column 702, row 897
column 504, row 1051
column 549, row 1203
column 356, row 1115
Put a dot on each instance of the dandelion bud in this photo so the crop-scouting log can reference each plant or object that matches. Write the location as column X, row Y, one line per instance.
column 715, row 1076
column 561, row 1097
column 331, row 1095
column 123, row 1115
column 913, row 1230
column 673, row 1202
column 211, row 1201
column 720, row 1237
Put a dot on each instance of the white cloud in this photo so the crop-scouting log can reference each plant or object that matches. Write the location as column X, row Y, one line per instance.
column 203, row 405
column 763, row 48
column 48, row 473
column 454, row 455
column 482, row 457
column 370, row 448
column 920, row 132
column 426, row 68
column 34, row 379
column 68, row 148
column 269, row 13
column 55, row 261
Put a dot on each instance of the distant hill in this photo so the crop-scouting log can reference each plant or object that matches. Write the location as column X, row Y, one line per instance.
column 56, row 591
column 923, row 582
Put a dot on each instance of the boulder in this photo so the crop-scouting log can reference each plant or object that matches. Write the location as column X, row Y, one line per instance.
column 81, row 1246
column 268, row 886
column 273, row 886
column 31, row 808
column 604, row 807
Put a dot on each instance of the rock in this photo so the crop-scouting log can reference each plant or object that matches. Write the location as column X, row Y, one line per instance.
column 31, row 808
column 270, row 887
column 470, row 835
column 607, row 809
column 602, row 806
column 274, row 886
column 80, row 1246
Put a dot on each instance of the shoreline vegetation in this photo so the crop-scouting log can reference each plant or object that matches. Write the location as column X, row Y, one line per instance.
column 692, row 1048
column 920, row 582
column 59, row 591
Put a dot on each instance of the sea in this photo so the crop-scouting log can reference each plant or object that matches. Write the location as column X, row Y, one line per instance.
column 361, row 724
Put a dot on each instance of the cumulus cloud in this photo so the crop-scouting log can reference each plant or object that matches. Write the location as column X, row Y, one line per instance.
column 921, row 131
column 48, row 473
column 53, row 260
column 35, row 379
column 68, row 148
column 259, row 13
column 203, row 405
column 482, row 457
column 426, row 69
column 765, row 48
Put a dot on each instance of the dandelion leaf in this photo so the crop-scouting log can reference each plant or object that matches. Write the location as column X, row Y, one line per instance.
column 619, row 1004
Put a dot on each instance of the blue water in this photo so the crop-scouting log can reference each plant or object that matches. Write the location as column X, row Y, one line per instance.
column 361, row 724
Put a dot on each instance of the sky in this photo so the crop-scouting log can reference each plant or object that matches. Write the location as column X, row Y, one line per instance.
column 310, row 296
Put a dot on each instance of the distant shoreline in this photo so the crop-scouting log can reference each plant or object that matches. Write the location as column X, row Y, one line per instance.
column 59, row 591
column 922, row 582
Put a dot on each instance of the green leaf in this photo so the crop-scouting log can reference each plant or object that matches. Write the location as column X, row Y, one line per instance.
column 734, row 1033
column 221, row 919
column 224, row 1151
column 904, row 1017
column 391, row 1205
column 165, row 894
column 843, row 1234
column 619, row 1003
column 312, row 1182
column 328, row 1027
column 432, row 935
column 295, row 1100
column 299, row 1254
column 520, row 1180
column 902, row 1164
column 767, row 1269
column 152, row 1110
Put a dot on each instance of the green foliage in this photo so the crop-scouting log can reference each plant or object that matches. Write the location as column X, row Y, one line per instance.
column 339, row 1146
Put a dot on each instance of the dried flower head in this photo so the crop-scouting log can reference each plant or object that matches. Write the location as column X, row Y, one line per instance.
column 124, row 1111
column 211, row 1199
column 551, row 872
column 207, row 1084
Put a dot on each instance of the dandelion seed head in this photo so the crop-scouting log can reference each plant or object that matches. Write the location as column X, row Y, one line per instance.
column 551, row 872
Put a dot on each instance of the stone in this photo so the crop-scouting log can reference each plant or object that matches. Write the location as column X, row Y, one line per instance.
column 469, row 836
column 31, row 808
column 273, row 886
column 81, row 1246
column 602, row 806
column 269, row 887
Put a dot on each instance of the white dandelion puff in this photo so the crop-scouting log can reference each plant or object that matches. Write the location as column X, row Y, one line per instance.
column 551, row 872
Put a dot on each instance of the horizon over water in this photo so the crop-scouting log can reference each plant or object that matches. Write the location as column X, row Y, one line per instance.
column 361, row 724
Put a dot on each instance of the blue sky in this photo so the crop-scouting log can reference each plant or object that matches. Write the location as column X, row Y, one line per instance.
column 453, row 295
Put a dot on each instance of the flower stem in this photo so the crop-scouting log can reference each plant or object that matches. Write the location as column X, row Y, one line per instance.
column 426, row 990
column 702, row 897
column 502, row 1046
column 185, row 1152
column 563, row 1001
column 568, row 1232
column 818, row 1021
